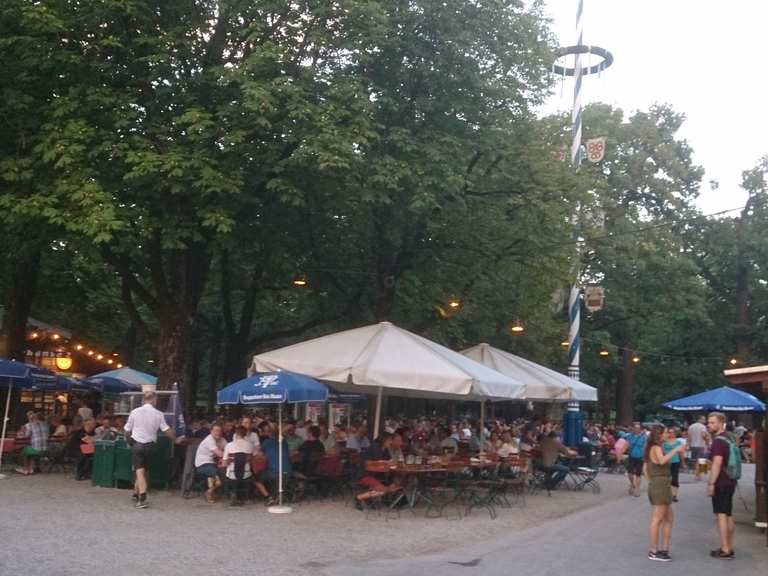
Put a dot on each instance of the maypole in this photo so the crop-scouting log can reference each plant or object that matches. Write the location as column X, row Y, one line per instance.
column 578, row 71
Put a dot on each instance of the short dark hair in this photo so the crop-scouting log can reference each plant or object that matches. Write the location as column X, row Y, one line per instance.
column 241, row 431
column 314, row 431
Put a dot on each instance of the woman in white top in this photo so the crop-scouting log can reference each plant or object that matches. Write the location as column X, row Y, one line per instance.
column 250, row 433
column 244, row 448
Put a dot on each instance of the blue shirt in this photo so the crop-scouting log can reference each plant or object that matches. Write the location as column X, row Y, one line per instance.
column 636, row 444
column 669, row 446
column 269, row 448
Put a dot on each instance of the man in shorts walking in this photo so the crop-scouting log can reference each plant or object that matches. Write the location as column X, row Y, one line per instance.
column 720, row 486
column 142, row 426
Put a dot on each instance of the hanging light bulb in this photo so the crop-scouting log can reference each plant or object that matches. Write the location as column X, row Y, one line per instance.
column 300, row 281
column 78, row 347
column 636, row 359
column 55, row 337
column 119, row 365
column 454, row 304
column 516, row 327
column 604, row 353
column 90, row 352
column 733, row 361
column 99, row 356
column 564, row 343
column 34, row 335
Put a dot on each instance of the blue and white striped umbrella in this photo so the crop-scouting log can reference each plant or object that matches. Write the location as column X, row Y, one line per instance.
column 273, row 388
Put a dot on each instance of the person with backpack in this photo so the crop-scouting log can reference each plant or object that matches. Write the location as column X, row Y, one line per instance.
column 724, row 473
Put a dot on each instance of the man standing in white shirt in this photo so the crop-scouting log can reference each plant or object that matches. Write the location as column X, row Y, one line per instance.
column 142, row 427
column 697, row 440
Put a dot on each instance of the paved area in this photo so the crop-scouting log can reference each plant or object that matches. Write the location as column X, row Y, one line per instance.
column 609, row 539
column 54, row 526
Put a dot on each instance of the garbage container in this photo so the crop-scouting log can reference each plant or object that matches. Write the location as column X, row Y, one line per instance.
column 123, row 473
column 103, row 464
column 161, row 463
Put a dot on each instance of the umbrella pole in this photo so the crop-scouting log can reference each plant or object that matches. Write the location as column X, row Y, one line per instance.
column 279, row 509
column 482, row 427
column 5, row 427
column 280, row 455
column 377, row 418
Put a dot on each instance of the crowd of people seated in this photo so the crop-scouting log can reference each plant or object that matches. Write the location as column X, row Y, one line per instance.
column 245, row 451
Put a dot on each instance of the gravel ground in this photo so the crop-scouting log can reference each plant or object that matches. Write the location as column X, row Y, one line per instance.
column 55, row 526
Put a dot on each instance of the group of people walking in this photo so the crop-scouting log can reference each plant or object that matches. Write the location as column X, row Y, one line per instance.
column 657, row 454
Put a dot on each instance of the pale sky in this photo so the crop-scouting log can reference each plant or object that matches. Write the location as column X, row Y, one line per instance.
column 706, row 58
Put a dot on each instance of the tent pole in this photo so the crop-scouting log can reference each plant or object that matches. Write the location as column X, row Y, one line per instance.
column 482, row 427
column 5, row 427
column 377, row 418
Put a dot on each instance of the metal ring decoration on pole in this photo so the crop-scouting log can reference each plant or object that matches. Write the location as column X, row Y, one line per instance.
column 607, row 60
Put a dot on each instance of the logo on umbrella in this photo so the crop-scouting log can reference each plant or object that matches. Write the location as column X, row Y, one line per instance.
column 267, row 381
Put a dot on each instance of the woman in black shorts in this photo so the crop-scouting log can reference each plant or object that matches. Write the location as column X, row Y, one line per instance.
column 671, row 442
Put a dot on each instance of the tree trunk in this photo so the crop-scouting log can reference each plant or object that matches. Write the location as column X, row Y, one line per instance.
column 174, row 351
column 236, row 360
column 625, row 390
column 213, row 375
column 385, row 296
column 24, row 269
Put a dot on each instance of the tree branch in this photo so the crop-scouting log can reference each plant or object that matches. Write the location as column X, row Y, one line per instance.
column 121, row 265
column 133, row 312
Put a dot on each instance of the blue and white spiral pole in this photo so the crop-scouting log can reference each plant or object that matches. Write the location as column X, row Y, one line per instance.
column 578, row 72
column 574, row 300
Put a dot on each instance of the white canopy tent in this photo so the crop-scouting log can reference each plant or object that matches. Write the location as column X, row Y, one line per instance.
column 541, row 383
column 382, row 358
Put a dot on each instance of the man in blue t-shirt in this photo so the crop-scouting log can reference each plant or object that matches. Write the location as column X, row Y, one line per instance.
column 269, row 448
column 636, row 439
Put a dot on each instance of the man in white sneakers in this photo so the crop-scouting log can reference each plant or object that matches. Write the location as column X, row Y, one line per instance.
column 142, row 427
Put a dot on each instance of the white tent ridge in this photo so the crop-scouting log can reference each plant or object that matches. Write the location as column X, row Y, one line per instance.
column 542, row 383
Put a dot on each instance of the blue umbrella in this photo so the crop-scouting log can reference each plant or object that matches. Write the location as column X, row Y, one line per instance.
column 274, row 388
column 107, row 384
column 20, row 375
column 130, row 376
column 724, row 399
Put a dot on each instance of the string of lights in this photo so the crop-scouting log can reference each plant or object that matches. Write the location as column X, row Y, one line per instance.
column 63, row 346
column 638, row 354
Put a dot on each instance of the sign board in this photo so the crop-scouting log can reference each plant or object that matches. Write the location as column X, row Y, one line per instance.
column 594, row 298
column 595, row 149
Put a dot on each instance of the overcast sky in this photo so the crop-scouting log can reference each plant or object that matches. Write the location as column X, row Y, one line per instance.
column 706, row 58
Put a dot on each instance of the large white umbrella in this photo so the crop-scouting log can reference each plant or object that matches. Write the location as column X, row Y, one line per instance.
column 541, row 383
column 382, row 358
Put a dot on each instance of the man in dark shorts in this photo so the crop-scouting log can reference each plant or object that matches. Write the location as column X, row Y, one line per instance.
column 720, row 486
column 142, row 426
column 636, row 439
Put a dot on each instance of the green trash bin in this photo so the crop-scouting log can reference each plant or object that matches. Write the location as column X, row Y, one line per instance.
column 161, row 463
column 103, row 464
column 123, row 473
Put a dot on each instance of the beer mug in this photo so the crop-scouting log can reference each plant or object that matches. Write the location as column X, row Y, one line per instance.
column 701, row 466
